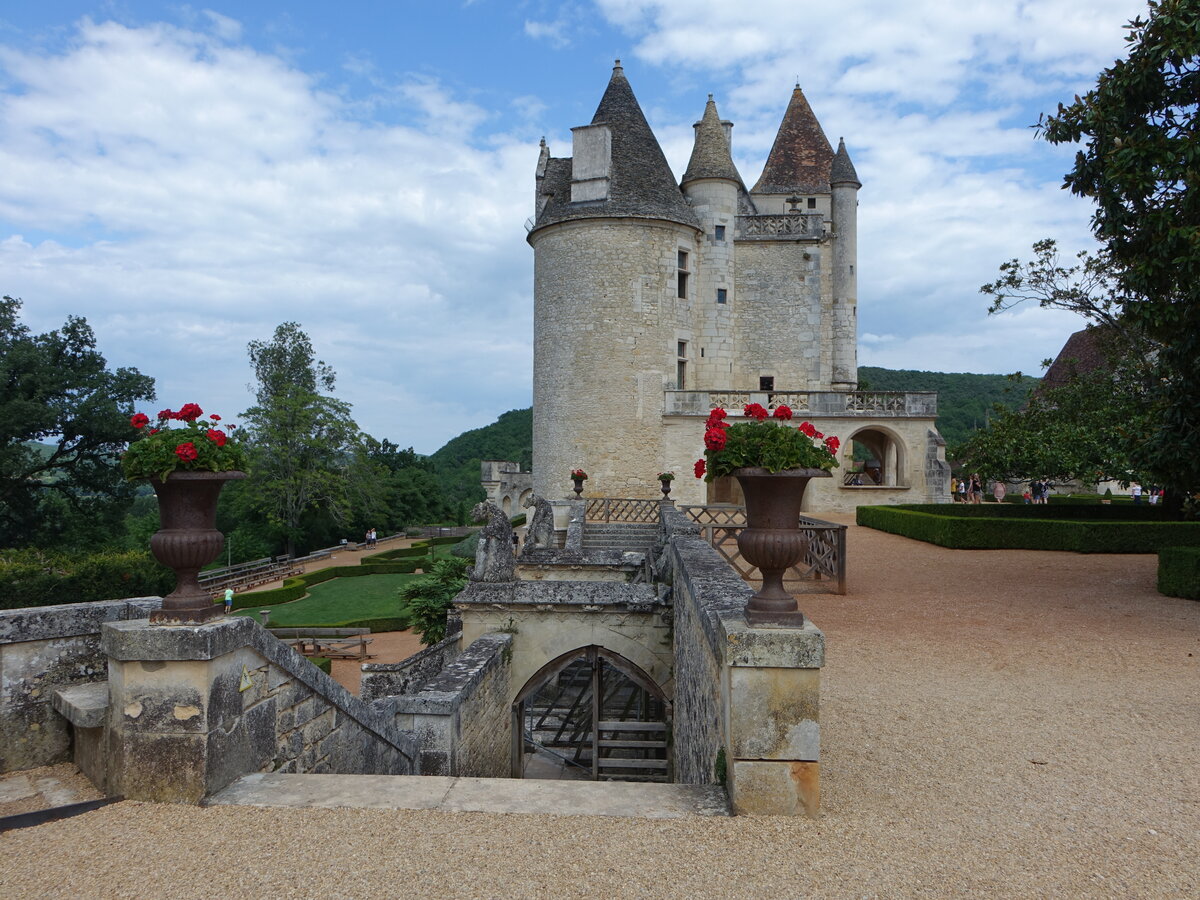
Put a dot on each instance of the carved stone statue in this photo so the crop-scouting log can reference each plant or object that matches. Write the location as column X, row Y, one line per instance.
column 540, row 533
column 494, row 555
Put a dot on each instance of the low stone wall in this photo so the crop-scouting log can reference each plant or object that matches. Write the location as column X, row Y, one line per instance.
column 753, row 693
column 409, row 676
column 43, row 649
column 193, row 708
column 462, row 718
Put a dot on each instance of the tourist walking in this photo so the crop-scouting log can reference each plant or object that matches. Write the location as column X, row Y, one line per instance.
column 228, row 600
column 976, row 488
column 999, row 490
column 1135, row 490
column 962, row 490
column 953, row 488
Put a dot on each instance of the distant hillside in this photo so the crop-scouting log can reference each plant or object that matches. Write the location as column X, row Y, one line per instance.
column 457, row 463
column 964, row 400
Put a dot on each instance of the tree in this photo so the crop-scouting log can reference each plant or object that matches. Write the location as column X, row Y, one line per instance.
column 64, row 419
column 1140, row 163
column 301, row 441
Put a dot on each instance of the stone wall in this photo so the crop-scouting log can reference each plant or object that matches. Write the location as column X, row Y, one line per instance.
column 208, row 704
column 43, row 649
column 408, row 676
column 462, row 717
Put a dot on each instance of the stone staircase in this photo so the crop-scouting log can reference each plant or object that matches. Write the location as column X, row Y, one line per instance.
column 495, row 795
column 626, row 537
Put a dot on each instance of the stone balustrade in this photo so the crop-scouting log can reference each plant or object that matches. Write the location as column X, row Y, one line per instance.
column 873, row 404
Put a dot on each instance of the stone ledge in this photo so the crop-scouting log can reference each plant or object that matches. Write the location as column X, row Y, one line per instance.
column 782, row 648
column 40, row 623
column 137, row 640
column 574, row 594
column 84, row 705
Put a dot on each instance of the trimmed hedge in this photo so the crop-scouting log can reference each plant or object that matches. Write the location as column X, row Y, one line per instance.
column 38, row 578
column 943, row 525
column 1179, row 572
column 297, row 586
column 324, row 663
column 1095, row 511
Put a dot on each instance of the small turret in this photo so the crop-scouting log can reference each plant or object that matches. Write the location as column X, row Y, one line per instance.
column 844, row 185
column 711, row 157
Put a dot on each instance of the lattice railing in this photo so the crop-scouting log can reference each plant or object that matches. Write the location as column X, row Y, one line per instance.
column 616, row 509
column 876, row 401
column 795, row 225
column 826, row 556
column 734, row 401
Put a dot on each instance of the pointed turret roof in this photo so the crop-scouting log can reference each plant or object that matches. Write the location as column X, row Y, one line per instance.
column 710, row 154
column 641, row 183
column 842, row 170
column 801, row 157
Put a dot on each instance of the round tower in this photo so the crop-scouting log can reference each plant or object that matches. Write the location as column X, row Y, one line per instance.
column 844, row 185
column 614, row 253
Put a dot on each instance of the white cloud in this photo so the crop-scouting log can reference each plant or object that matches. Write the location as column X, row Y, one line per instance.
column 553, row 32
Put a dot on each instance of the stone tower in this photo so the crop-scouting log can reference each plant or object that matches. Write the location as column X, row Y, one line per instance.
column 655, row 300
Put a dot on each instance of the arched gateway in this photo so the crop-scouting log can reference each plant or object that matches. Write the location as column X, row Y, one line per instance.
column 591, row 713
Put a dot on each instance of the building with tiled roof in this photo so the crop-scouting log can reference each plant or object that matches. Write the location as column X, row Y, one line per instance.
column 655, row 300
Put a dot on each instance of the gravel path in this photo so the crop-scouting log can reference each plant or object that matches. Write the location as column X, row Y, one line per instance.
column 994, row 724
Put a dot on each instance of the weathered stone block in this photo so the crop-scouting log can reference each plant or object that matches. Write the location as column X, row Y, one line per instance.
column 769, row 788
column 773, row 713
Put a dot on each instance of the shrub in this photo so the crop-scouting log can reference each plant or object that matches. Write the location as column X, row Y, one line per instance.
column 38, row 578
column 465, row 548
column 1179, row 572
column 324, row 663
column 297, row 586
column 425, row 601
column 1084, row 529
column 518, row 520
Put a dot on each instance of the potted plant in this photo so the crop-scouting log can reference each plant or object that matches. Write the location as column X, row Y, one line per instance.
column 187, row 460
column 773, row 462
column 665, row 479
column 579, row 477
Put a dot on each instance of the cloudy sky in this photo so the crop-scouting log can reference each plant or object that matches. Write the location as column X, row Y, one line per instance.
column 188, row 177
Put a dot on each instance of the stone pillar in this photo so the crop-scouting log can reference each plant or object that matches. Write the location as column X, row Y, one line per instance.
column 177, row 727
column 773, row 737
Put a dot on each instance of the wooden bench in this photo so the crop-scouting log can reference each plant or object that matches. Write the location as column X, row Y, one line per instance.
column 333, row 648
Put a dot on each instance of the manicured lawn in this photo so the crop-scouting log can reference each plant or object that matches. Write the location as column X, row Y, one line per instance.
column 340, row 600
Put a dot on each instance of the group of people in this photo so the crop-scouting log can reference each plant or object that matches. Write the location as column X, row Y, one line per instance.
column 1038, row 493
column 369, row 538
column 969, row 489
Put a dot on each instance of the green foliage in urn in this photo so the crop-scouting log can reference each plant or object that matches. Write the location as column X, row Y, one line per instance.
column 199, row 445
column 763, row 441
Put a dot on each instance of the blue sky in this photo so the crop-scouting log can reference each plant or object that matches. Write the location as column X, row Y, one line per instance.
column 188, row 177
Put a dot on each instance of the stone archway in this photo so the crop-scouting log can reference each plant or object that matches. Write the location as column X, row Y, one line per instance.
column 888, row 462
column 591, row 714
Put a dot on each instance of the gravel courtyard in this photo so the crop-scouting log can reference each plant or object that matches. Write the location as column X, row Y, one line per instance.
column 994, row 724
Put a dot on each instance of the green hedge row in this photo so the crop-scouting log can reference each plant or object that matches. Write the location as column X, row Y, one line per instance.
column 1093, row 511
column 297, row 586
column 939, row 524
column 1179, row 572
column 37, row 578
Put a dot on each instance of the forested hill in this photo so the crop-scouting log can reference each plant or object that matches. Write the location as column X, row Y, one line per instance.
column 457, row 463
column 964, row 399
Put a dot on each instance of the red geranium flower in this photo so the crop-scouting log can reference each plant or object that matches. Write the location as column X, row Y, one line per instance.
column 714, row 438
column 189, row 412
column 166, row 414
column 154, row 431
column 783, row 412
column 215, row 417
column 701, row 468
column 139, row 420
column 832, row 444
column 717, row 415
column 217, row 437
column 755, row 411
column 806, row 428
column 186, row 452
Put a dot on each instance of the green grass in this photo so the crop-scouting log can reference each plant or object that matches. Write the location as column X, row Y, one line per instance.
column 338, row 601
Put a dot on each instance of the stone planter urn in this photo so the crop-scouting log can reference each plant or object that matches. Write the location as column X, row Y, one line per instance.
column 772, row 540
column 666, row 487
column 578, row 486
column 188, row 541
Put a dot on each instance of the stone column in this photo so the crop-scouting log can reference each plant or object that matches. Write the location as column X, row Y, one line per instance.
column 177, row 726
column 773, row 738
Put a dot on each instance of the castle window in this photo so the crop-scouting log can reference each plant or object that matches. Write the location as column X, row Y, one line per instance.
column 766, row 383
column 722, row 295
column 681, row 366
column 719, row 233
column 682, row 282
column 812, row 202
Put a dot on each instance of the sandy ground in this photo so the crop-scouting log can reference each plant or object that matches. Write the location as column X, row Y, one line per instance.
column 994, row 724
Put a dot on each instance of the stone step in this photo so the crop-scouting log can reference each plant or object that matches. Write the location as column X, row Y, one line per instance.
column 494, row 795
column 84, row 705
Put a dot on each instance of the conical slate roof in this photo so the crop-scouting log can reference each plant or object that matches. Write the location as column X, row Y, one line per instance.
column 641, row 183
column 710, row 153
column 801, row 157
column 842, row 170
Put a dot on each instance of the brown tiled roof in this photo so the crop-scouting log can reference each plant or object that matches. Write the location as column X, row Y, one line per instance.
column 801, row 157
column 1082, row 353
column 710, row 153
column 641, row 183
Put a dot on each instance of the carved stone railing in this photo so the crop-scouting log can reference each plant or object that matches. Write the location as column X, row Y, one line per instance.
column 789, row 226
column 806, row 403
column 825, row 558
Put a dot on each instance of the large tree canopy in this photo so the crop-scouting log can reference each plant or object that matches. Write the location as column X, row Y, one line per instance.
column 64, row 419
column 1140, row 163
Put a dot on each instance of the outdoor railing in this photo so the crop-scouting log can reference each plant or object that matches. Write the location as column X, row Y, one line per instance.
column 825, row 558
column 610, row 509
column 805, row 403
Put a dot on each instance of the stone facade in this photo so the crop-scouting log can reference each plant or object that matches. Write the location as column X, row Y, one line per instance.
column 644, row 288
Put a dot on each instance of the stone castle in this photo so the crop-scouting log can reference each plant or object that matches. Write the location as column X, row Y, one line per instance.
column 656, row 300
